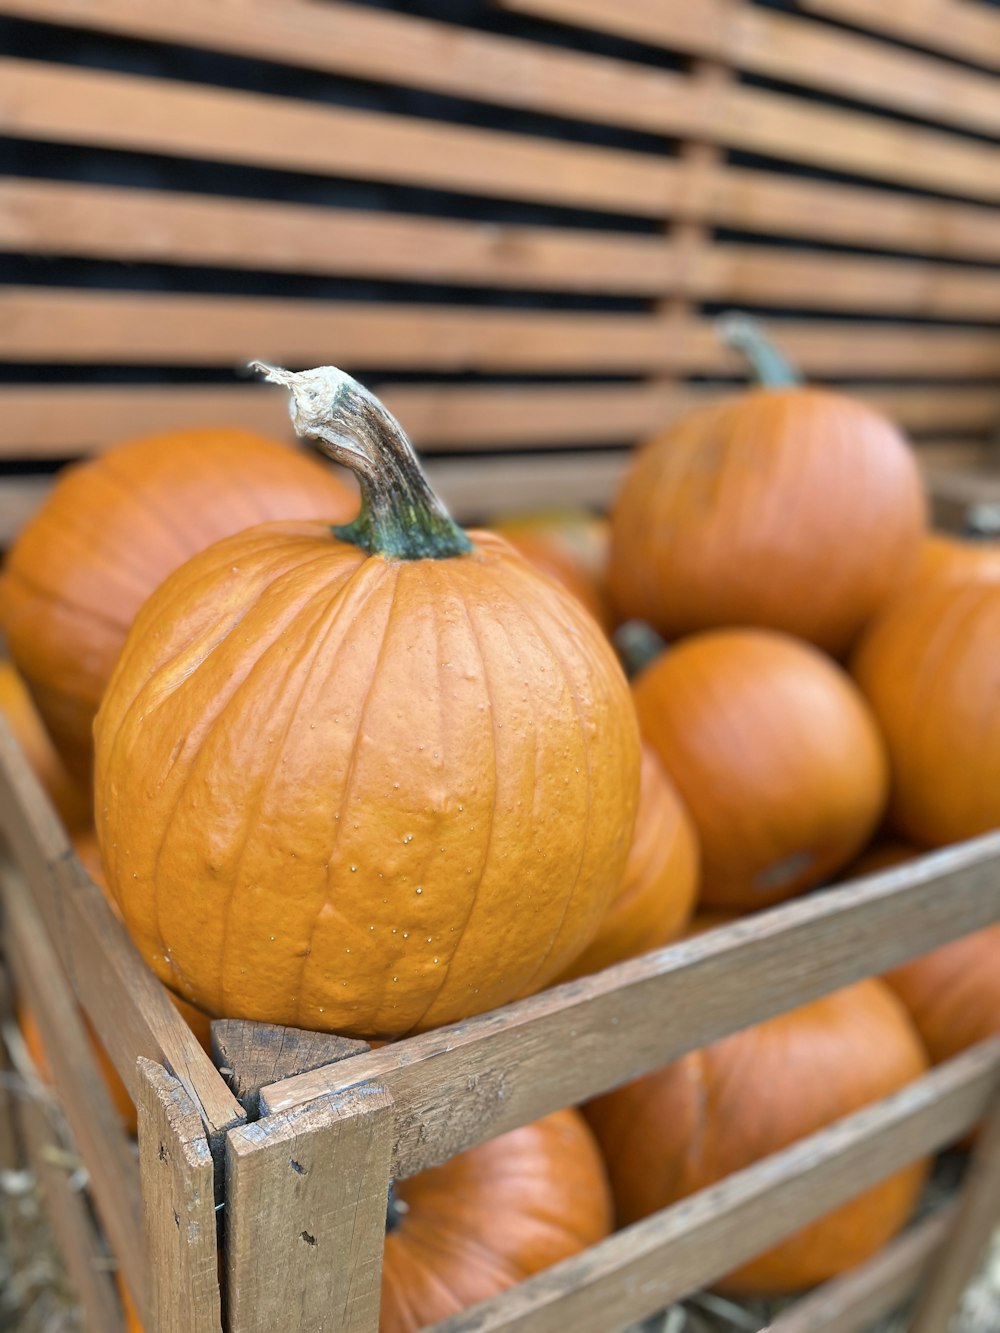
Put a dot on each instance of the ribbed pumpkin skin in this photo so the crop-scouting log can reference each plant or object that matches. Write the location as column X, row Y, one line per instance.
column 571, row 546
column 112, row 529
column 775, row 755
column 792, row 509
column 490, row 1218
column 369, row 796
column 930, row 669
column 68, row 796
column 660, row 883
column 720, row 1109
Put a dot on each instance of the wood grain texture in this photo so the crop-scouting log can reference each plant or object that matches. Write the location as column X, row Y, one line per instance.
column 684, row 1247
column 959, row 28
column 459, row 1085
column 80, row 1087
column 977, row 1217
column 10, row 1145
column 852, row 1302
column 306, row 1198
column 178, row 1191
column 248, row 1055
column 127, row 1006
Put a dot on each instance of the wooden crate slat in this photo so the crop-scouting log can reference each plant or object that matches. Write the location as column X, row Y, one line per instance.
column 178, row 1190
column 969, row 31
column 797, row 50
column 127, row 1006
column 673, row 1253
column 68, row 104
column 852, row 1302
column 468, row 1082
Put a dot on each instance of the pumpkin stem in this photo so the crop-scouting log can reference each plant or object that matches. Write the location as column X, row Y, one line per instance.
column 401, row 518
column 745, row 335
column 638, row 644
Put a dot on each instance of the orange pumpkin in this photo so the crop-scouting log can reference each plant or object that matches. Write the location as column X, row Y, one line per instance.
column 570, row 545
column 775, row 755
column 368, row 780
column 957, row 559
column 790, row 508
column 120, row 1098
column 660, row 883
column 720, row 1109
column 930, row 669
column 67, row 795
column 111, row 531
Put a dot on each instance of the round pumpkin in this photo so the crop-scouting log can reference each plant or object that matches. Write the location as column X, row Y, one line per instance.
column 660, row 883
column 570, row 545
column 791, row 508
column 775, row 755
column 930, row 669
column 111, row 531
column 67, row 795
column 366, row 780
column 718, row 1110
column 957, row 560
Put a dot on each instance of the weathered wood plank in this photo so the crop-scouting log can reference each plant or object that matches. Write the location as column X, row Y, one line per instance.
column 82, row 1093
column 126, row 1004
column 852, row 1302
column 674, row 1252
column 248, row 1055
column 465, row 1083
column 978, row 1214
column 178, row 1190
column 306, row 1198
column 954, row 27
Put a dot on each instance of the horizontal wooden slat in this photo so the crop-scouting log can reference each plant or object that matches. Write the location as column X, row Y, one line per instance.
column 60, row 218
column 968, row 30
column 466, row 1083
column 80, row 325
column 797, row 50
column 667, row 1256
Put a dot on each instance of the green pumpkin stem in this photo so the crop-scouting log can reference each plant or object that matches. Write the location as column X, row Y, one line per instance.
column 401, row 518
column 767, row 364
column 637, row 645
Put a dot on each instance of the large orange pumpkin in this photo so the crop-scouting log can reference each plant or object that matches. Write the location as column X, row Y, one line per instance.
column 569, row 544
column 791, row 508
column 775, row 755
column 369, row 780
column 112, row 529
column 660, row 884
column 930, row 669
column 67, row 795
column 720, row 1109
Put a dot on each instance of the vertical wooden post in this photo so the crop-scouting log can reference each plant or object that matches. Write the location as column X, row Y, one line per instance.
column 178, row 1193
column 306, row 1198
column 978, row 1215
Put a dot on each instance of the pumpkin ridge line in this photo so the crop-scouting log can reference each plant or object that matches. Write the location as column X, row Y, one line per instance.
column 149, row 508
column 15, row 575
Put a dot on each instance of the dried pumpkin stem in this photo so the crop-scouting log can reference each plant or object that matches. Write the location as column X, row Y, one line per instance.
column 768, row 365
column 401, row 518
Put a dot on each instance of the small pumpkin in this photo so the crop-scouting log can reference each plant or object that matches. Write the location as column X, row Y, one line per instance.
column 66, row 794
column 570, row 545
column 930, row 670
column 718, row 1110
column 660, row 882
column 111, row 531
column 775, row 755
column 368, row 779
column 787, row 507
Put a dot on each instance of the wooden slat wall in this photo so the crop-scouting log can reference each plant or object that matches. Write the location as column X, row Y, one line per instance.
column 517, row 217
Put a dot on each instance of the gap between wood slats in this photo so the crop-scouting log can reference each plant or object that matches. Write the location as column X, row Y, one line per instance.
column 58, row 421
column 73, row 325
column 76, row 105
column 953, row 27
column 795, row 50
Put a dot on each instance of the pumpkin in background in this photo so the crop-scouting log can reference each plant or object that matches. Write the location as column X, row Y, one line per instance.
column 775, row 755
column 930, row 669
column 957, row 559
column 570, row 545
column 71, row 802
column 490, row 1218
column 401, row 793
column 111, row 531
column 790, row 508
column 718, row 1110
column 122, row 1102
column 660, row 883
